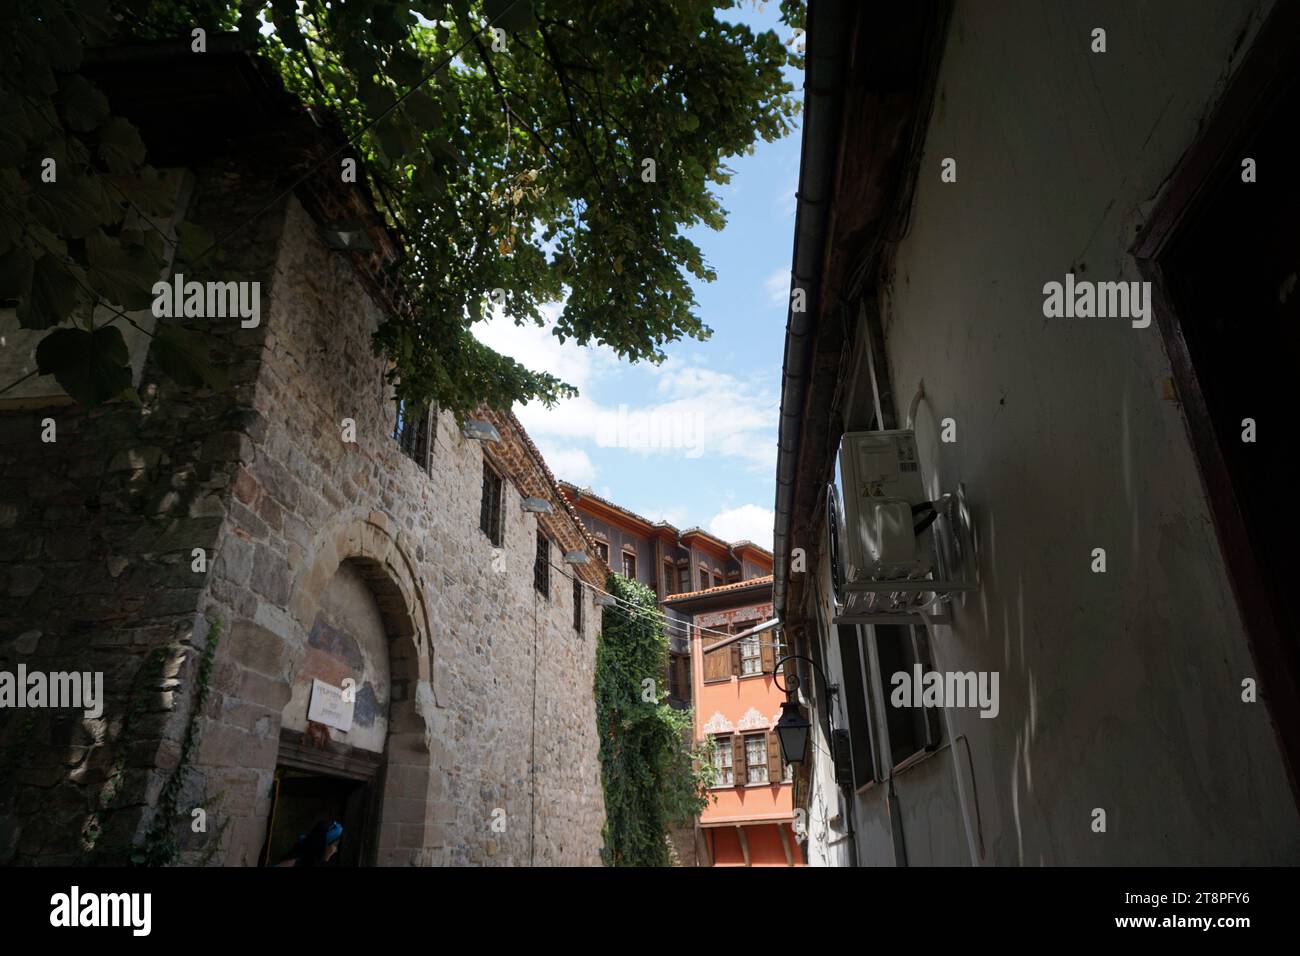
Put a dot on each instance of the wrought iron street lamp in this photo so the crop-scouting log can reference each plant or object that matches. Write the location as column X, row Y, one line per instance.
column 792, row 731
column 793, row 727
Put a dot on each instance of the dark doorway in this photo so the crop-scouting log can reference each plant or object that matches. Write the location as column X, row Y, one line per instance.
column 1224, row 255
column 303, row 799
column 330, row 782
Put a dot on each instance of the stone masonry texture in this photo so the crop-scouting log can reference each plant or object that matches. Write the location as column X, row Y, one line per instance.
column 491, row 752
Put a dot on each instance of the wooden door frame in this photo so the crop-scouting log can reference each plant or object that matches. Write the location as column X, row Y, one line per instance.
column 1252, row 96
column 345, row 762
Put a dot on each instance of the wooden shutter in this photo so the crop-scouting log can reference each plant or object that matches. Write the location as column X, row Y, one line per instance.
column 775, row 768
column 766, row 652
column 718, row 664
column 739, row 773
column 735, row 658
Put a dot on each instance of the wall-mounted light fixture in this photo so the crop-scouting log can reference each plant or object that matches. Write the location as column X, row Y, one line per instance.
column 481, row 431
column 577, row 557
column 792, row 731
column 605, row 600
column 792, row 727
column 537, row 506
column 347, row 237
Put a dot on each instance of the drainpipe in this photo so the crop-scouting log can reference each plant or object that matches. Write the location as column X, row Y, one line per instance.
column 827, row 61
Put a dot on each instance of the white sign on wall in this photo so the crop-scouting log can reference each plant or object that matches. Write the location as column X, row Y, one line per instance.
column 328, row 707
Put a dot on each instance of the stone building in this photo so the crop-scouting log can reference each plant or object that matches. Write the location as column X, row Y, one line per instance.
column 332, row 547
column 1130, row 557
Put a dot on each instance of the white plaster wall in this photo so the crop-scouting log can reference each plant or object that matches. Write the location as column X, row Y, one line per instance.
column 1119, row 690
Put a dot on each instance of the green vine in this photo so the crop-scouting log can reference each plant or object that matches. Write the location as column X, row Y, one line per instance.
column 160, row 846
column 651, row 777
column 148, row 676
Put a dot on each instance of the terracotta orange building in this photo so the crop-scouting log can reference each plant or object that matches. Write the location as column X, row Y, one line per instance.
column 749, row 819
column 670, row 562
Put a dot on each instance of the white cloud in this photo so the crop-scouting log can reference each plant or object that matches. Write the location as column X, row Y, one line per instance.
column 568, row 464
column 535, row 347
column 674, row 516
column 747, row 522
column 681, row 409
column 778, row 286
column 789, row 200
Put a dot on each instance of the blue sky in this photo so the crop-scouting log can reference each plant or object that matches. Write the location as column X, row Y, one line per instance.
column 692, row 441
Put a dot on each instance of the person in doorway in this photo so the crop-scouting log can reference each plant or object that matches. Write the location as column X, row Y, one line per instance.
column 317, row 847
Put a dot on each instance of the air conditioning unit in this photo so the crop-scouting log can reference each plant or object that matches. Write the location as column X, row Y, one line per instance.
column 891, row 547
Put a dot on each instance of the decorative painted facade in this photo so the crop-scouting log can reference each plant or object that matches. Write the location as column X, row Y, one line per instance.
column 749, row 819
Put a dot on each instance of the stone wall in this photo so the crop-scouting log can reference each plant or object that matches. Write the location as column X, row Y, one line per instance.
column 97, row 533
column 492, row 719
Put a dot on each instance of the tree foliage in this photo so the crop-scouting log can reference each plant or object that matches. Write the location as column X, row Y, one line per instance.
column 560, row 160
column 651, row 778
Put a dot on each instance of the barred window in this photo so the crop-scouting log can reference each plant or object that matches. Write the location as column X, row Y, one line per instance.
column 578, row 598
column 412, row 432
column 722, row 760
column 489, row 517
column 756, row 758
column 542, row 566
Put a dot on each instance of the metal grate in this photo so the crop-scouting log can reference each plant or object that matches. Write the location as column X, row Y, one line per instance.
column 542, row 566
column 412, row 433
column 489, row 517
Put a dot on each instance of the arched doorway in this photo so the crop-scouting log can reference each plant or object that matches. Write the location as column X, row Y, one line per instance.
column 354, row 739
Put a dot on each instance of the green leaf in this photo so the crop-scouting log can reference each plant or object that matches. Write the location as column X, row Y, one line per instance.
column 120, row 146
column 395, row 137
column 90, row 366
column 422, row 110
column 97, row 22
column 16, row 273
column 61, row 39
column 284, row 15
column 149, row 191
column 183, row 356
column 82, row 105
column 194, row 241
column 513, row 16
column 122, row 274
column 52, row 296
column 15, row 129
column 73, row 206
column 442, row 149
column 406, row 69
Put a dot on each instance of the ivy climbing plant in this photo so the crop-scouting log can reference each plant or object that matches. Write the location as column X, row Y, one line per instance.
column 651, row 776
column 532, row 154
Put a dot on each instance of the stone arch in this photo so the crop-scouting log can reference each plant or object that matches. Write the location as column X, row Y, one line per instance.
column 407, row 783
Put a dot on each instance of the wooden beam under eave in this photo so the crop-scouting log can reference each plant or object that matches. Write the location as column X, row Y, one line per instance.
column 785, row 844
column 744, row 842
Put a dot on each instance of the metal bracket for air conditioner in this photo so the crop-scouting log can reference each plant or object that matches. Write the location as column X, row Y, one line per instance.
column 902, row 601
